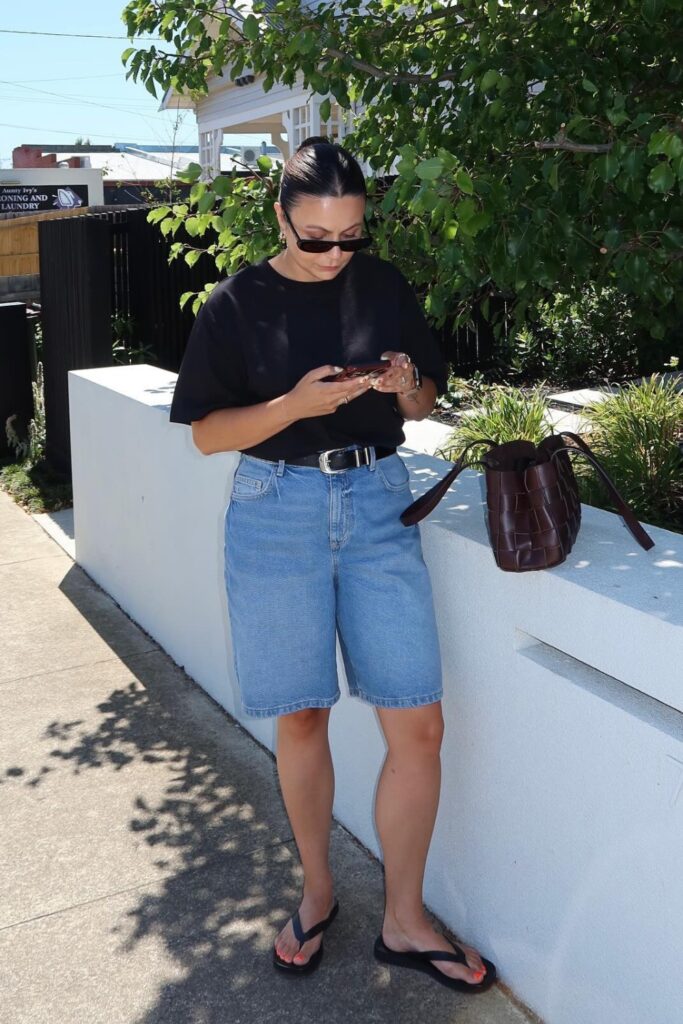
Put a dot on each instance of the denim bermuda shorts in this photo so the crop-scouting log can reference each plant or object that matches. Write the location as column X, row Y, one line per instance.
column 310, row 556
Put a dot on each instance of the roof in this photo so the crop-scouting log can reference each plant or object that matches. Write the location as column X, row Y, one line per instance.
column 130, row 162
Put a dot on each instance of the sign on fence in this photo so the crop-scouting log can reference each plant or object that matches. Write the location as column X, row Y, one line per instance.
column 35, row 198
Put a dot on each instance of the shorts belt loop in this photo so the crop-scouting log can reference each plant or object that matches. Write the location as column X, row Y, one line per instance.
column 373, row 458
column 280, row 467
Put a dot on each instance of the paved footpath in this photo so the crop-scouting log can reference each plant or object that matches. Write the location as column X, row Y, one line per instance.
column 146, row 858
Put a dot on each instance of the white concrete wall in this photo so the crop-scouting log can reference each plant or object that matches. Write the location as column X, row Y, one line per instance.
column 559, row 841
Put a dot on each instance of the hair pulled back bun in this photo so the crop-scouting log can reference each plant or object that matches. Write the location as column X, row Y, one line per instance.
column 319, row 167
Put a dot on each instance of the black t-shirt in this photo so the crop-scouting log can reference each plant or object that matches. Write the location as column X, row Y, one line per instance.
column 259, row 332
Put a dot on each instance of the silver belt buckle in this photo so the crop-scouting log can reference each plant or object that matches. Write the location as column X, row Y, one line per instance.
column 324, row 459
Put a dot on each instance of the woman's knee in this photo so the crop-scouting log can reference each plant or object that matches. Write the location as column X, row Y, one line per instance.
column 416, row 731
column 305, row 723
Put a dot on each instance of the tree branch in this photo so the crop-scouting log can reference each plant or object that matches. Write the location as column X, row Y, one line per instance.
column 562, row 142
column 397, row 76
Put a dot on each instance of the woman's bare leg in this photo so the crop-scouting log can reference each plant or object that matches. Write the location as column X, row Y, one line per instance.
column 306, row 777
column 405, row 812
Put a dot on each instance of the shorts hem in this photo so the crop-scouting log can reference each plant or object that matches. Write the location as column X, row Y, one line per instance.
column 286, row 709
column 398, row 702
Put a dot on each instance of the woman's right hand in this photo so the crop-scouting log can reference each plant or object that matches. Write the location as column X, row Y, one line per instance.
column 313, row 396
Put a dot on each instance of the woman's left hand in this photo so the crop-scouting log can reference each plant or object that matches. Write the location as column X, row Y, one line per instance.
column 399, row 378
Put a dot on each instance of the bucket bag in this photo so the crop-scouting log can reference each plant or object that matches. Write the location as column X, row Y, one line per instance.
column 532, row 498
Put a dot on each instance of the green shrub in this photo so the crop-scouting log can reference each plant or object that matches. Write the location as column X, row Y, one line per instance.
column 30, row 449
column 505, row 414
column 589, row 338
column 636, row 435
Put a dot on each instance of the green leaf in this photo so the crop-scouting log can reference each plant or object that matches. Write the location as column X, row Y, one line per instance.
column 430, row 170
column 206, row 202
column 325, row 109
column 661, row 178
column 191, row 173
column 489, row 79
column 158, row 213
column 652, row 10
column 464, row 182
column 464, row 210
column 636, row 267
column 476, row 223
column 264, row 163
column 222, row 185
column 640, row 119
column 192, row 256
column 674, row 237
column 617, row 117
column 250, row 28
column 612, row 238
column 126, row 54
column 607, row 166
column 589, row 86
column 671, row 145
column 151, row 87
column 553, row 177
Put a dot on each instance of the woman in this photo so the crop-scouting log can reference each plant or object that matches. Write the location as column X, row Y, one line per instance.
column 313, row 542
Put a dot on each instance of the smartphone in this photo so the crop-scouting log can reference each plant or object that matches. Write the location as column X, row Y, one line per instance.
column 360, row 370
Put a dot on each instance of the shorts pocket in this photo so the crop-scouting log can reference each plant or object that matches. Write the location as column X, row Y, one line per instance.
column 250, row 484
column 393, row 473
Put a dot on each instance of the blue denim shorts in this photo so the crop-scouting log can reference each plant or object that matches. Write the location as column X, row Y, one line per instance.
column 310, row 556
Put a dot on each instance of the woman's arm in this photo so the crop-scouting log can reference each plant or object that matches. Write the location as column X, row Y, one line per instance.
column 237, row 428
column 228, row 430
column 417, row 406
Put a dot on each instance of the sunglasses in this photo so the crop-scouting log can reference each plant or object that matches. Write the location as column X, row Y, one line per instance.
column 323, row 245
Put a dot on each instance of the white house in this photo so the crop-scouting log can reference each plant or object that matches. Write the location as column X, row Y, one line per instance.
column 286, row 114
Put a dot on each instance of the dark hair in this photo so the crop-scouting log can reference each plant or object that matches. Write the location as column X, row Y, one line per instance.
column 320, row 168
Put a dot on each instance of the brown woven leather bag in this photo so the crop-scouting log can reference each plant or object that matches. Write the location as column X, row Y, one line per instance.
column 532, row 499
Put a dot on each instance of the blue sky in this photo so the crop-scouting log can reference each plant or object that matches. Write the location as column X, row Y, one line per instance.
column 83, row 89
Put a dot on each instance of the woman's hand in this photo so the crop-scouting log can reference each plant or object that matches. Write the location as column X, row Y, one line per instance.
column 399, row 378
column 313, row 396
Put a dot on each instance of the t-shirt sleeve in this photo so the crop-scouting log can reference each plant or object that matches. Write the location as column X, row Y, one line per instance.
column 213, row 373
column 417, row 338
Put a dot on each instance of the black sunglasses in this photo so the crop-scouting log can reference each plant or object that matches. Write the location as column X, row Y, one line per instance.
column 322, row 245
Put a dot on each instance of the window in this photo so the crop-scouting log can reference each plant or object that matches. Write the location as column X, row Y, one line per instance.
column 301, row 125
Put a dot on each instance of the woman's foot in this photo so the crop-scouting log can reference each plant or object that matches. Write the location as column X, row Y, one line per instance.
column 314, row 907
column 420, row 935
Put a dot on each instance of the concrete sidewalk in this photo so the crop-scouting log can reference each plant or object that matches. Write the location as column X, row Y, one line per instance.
column 147, row 861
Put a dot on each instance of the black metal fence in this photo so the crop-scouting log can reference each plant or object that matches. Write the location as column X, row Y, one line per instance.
column 16, row 395
column 474, row 347
column 106, row 276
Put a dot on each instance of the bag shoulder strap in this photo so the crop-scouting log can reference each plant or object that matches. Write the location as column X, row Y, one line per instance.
column 639, row 534
column 424, row 505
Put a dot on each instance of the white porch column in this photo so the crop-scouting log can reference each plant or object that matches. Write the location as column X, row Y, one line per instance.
column 277, row 139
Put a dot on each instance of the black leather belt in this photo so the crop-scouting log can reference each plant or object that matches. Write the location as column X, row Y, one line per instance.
column 338, row 459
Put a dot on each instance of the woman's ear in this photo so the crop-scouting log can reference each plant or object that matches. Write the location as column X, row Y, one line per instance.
column 280, row 217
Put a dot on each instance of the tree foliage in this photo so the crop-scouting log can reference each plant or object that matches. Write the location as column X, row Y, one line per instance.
column 540, row 146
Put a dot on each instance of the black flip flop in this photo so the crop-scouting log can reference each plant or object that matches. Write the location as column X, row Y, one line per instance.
column 421, row 962
column 303, row 937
